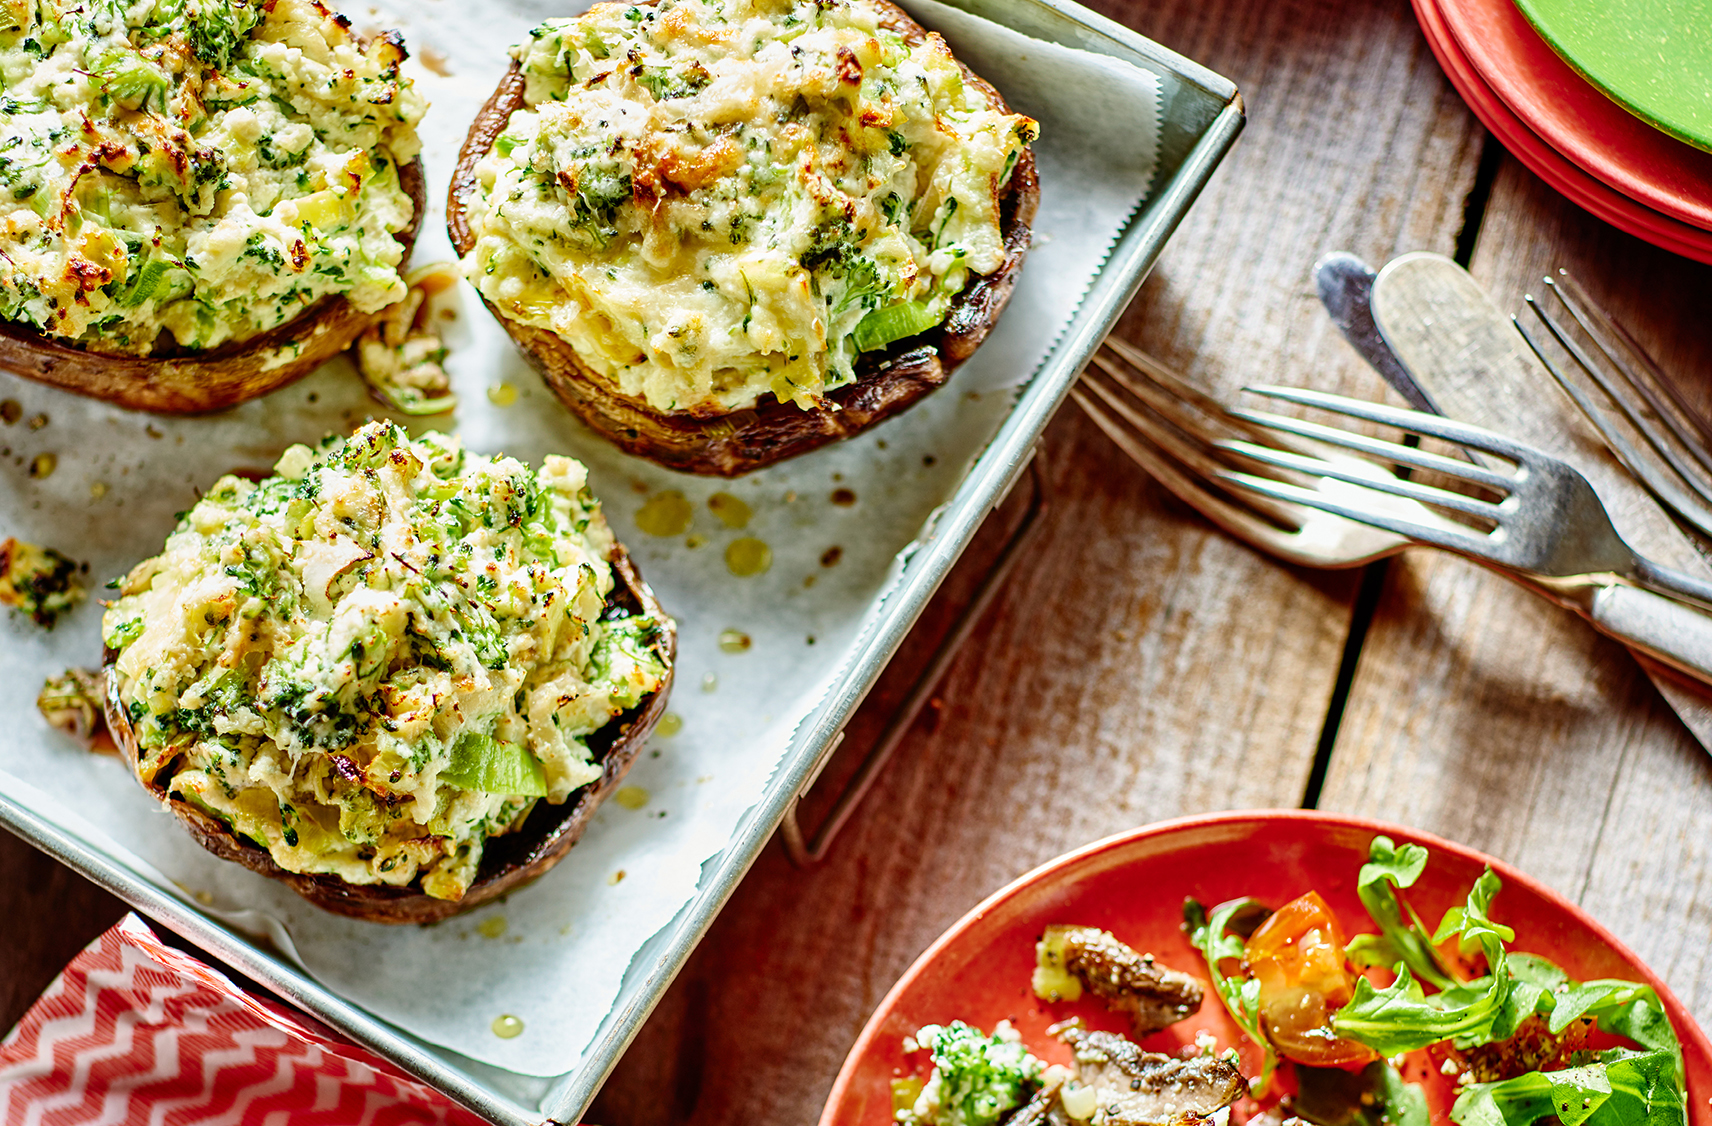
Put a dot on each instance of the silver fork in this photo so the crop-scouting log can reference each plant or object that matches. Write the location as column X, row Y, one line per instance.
column 1171, row 430
column 1548, row 527
column 1640, row 391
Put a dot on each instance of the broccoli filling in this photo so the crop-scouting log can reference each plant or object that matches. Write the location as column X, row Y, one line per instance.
column 382, row 655
column 196, row 171
column 716, row 200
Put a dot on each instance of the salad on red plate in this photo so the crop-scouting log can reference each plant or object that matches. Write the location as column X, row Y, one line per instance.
column 1350, row 1031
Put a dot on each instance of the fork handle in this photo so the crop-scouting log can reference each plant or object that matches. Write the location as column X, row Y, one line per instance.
column 1669, row 630
column 1668, row 580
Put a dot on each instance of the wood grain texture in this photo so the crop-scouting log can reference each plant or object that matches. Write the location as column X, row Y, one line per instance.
column 1480, row 712
column 47, row 914
column 1124, row 702
column 1139, row 666
column 1355, row 142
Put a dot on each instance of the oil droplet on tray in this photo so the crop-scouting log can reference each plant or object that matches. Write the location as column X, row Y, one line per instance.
column 502, row 394
column 507, row 1027
column 709, row 682
column 434, row 61
column 843, row 498
column 491, row 928
column 668, row 514
column 831, row 556
column 98, row 490
column 10, row 411
column 38, row 422
column 693, row 541
column 670, row 724
column 734, row 641
column 732, row 511
column 45, row 464
column 616, row 878
column 631, row 797
column 748, row 556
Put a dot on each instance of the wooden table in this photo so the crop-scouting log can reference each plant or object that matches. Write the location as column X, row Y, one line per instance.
column 1141, row 666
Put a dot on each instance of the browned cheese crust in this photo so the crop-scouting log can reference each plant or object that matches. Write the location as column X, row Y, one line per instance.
column 198, row 382
column 887, row 381
column 508, row 861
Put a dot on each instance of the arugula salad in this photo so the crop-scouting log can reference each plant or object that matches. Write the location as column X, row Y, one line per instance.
column 1524, row 1041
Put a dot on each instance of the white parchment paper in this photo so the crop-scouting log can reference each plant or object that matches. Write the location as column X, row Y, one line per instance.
column 554, row 954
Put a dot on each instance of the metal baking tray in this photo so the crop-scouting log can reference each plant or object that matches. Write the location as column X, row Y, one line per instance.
column 1202, row 114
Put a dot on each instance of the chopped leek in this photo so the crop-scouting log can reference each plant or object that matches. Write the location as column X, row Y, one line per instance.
column 894, row 322
column 493, row 766
column 144, row 287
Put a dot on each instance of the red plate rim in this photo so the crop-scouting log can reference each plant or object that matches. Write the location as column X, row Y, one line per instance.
column 1687, row 1028
column 1564, row 110
column 1545, row 162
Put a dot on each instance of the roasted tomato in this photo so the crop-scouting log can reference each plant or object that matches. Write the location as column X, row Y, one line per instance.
column 1297, row 957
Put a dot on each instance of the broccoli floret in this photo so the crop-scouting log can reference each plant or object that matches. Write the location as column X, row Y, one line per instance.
column 625, row 659
column 976, row 1078
column 217, row 29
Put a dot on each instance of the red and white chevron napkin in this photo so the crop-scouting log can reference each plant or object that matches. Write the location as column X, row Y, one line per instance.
column 135, row 1031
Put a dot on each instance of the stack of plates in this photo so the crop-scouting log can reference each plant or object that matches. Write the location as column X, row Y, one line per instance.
column 1609, row 103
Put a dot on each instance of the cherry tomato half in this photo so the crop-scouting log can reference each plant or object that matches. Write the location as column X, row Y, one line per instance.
column 1297, row 957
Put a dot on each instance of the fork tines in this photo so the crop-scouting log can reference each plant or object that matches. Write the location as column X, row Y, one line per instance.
column 1193, row 445
column 1168, row 427
column 1364, row 502
column 1412, row 421
column 1648, row 402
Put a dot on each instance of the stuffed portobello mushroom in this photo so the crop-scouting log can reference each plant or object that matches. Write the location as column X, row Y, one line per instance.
column 396, row 675
column 730, row 231
column 200, row 200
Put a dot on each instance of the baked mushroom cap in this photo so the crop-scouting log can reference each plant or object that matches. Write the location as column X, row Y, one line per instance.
column 191, row 382
column 508, row 860
column 887, row 381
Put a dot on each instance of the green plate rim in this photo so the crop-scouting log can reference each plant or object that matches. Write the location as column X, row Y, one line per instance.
column 1543, row 25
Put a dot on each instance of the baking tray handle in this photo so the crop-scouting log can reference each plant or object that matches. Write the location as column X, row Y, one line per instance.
column 805, row 852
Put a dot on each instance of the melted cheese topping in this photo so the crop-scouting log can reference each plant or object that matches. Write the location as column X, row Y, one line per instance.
column 714, row 200
column 383, row 655
column 203, row 168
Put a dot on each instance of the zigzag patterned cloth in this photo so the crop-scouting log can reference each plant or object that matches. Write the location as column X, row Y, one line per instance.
column 135, row 1031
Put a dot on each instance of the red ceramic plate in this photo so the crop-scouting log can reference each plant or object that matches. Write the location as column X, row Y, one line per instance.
column 1134, row 885
column 1575, row 118
column 1546, row 162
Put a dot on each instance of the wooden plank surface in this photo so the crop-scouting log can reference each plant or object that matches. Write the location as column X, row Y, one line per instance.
column 47, row 914
column 1139, row 666
column 1482, row 713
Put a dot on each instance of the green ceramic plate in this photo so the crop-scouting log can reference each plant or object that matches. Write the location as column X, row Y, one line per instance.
column 1653, row 57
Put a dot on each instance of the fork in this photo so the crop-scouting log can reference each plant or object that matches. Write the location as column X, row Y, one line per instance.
column 1548, row 529
column 1170, row 429
column 1175, row 433
column 1672, row 429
